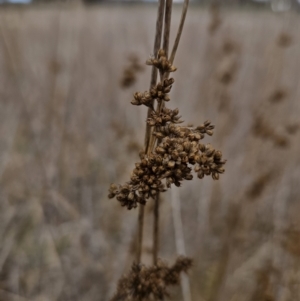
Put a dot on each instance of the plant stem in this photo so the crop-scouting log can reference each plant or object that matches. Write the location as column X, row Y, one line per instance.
column 140, row 232
column 166, row 38
column 177, row 39
column 157, row 43
column 168, row 14
column 148, row 134
column 149, row 139
column 179, row 32
column 179, row 240
column 156, row 229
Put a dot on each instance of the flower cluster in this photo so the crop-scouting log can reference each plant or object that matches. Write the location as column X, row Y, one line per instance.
column 170, row 163
column 165, row 116
column 159, row 92
column 161, row 63
column 178, row 150
column 144, row 282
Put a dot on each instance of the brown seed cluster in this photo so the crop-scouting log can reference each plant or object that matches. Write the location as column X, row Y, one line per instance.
column 178, row 151
column 159, row 93
column 161, row 63
column 162, row 118
column 170, row 163
column 143, row 282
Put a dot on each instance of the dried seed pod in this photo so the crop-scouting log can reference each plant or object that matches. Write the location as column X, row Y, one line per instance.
column 210, row 152
column 197, row 136
column 197, row 168
column 172, row 69
column 167, row 89
column 169, row 82
column 215, row 176
column 203, row 159
column 189, row 177
column 171, row 164
column 161, row 53
column 166, row 98
column 220, row 170
column 160, row 150
column 207, row 172
column 131, row 196
column 218, row 155
column 153, row 192
column 158, row 135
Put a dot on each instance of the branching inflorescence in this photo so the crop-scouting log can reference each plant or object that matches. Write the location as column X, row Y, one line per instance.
column 173, row 153
column 178, row 150
column 143, row 282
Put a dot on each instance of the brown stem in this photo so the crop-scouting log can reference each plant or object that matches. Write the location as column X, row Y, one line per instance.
column 157, row 43
column 140, row 233
column 167, row 26
column 148, row 134
column 156, row 229
column 168, row 14
column 183, row 14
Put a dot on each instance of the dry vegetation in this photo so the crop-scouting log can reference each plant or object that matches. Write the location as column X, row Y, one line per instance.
column 65, row 120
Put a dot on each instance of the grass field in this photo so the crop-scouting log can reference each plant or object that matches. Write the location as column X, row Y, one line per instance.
column 68, row 130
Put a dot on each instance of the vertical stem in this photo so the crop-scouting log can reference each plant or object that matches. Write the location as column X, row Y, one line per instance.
column 179, row 32
column 168, row 14
column 166, row 38
column 179, row 240
column 156, row 229
column 140, row 232
column 148, row 136
column 157, row 43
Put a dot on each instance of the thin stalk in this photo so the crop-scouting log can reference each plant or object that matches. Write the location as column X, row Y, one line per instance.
column 177, row 39
column 166, row 38
column 179, row 240
column 156, row 229
column 140, row 232
column 157, row 43
column 148, row 134
column 168, row 14
column 179, row 32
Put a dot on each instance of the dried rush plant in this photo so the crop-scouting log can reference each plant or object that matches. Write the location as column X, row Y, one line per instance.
column 172, row 151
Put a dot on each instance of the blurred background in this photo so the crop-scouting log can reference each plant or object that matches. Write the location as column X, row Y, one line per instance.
column 67, row 74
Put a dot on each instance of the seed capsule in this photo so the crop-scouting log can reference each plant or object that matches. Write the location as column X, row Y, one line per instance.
column 171, row 164
column 203, row 159
column 131, row 196
column 161, row 53
column 215, row 176
column 172, row 69
column 153, row 192
column 160, row 150
column 218, row 155
column 189, row 177
column 197, row 168
column 210, row 152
